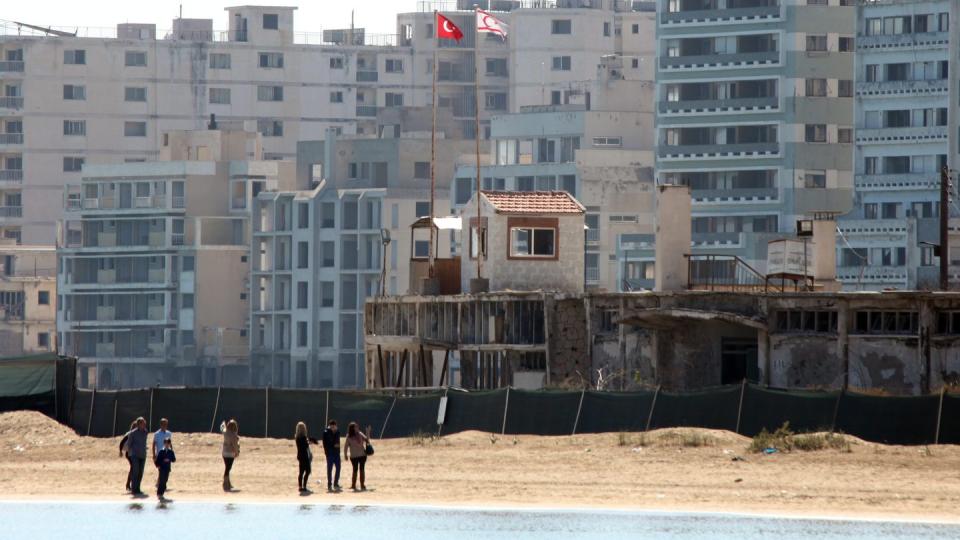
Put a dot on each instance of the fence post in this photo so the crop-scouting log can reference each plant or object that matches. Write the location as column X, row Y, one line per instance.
column 387, row 419
column 936, row 437
column 836, row 411
column 653, row 405
column 446, row 392
column 150, row 411
column 216, row 408
column 266, row 412
column 576, row 421
column 506, row 406
column 56, row 392
column 113, row 430
column 326, row 410
column 743, row 390
column 93, row 398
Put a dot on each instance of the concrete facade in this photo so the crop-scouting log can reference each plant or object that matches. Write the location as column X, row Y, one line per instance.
column 28, row 299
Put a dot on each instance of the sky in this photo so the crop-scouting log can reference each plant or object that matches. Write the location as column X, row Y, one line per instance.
column 377, row 16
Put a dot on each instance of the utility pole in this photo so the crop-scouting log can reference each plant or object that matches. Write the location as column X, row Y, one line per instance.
column 944, row 228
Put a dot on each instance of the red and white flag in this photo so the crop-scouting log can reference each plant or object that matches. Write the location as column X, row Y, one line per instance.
column 447, row 30
column 490, row 24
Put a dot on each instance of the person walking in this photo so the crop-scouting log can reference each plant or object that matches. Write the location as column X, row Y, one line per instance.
column 331, row 449
column 304, row 455
column 356, row 447
column 159, row 437
column 230, row 450
column 163, row 460
column 137, row 450
column 125, row 452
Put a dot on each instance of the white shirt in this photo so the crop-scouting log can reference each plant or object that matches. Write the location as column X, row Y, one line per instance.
column 158, row 438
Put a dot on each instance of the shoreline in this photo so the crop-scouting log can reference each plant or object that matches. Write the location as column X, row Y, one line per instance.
column 861, row 517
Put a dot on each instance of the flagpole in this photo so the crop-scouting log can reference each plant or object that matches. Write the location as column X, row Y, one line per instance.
column 433, row 143
column 476, row 110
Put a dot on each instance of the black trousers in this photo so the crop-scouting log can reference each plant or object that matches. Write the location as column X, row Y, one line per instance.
column 162, row 478
column 227, row 465
column 304, row 475
column 359, row 464
column 136, row 472
column 129, row 472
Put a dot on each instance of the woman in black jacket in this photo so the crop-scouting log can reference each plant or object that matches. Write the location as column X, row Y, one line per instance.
column 304, row 455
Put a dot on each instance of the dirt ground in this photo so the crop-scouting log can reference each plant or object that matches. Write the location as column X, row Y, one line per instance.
column 677, row 469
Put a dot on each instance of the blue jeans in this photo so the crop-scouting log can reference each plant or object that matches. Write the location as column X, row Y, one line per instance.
column 333, row 460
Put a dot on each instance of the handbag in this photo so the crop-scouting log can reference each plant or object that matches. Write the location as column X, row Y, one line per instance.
column 369, row 449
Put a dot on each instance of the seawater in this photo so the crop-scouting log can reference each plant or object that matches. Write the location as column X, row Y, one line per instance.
column 185, row 520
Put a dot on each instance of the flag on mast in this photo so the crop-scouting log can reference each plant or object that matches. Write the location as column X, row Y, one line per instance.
column 490, row 24
column 447, row 30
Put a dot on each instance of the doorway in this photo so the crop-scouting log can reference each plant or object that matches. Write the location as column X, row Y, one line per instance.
column 738, row 360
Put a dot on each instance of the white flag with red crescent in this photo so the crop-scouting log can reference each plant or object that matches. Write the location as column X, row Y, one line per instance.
column 490, row 24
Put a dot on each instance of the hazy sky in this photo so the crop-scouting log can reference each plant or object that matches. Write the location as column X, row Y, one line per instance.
column 377, row 16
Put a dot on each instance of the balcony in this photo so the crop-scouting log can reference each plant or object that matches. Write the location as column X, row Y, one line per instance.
column 887, row 227
column 593, row 236
column 367, row 76
column 897, row 182
column 592, row 275
column 903, row 88
column 11, row 211
column 14, row 66
column 923, row 134
column 700, row 106
column 722, row 16
column 702, row 151
column 706, row 61
column 11, row 175
column 11, row 138
column 925, row 41
column 727, row 239
column 15, row 103
column 366, row 111
column 734, row 195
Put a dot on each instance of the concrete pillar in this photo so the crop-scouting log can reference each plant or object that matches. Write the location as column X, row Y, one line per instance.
column 825, row 254
column 672, row 238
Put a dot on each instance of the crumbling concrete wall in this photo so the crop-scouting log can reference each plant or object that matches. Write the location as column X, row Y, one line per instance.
column 569, row 343
column 689, row 355
column 805, row 361
column 893, row 365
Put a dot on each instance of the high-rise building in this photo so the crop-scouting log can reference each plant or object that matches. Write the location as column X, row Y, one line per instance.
column 755, row 114
column 154, row 262
column 903, row 134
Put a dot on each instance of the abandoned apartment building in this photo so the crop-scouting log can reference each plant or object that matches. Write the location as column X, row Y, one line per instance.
column 711, row 319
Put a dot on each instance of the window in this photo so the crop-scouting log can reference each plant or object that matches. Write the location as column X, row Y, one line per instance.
column 270, row 128
column 271, row 60
column 43, row 298
column 816, row 87
column 561, row 63
column 807, row 321
column 606, row 29
column 886, row 322
column 134, row 129
column 421, row 170
column 220, row 96
column 393, row 99
column 497, row 67
column 301, row 334
column 189, row 264
column 394, row 65
column 845, row 135
column 303, row 252
column 74, row 92
column 421, row 208
column 635, row 28
column 302, row 295
column 815, row 179
column 495, row 101
column 607, row 141
column 135, row 59
column 135, row 93
column 269, row 93
column 186, row 301
column 219, row 61
column 271, row 21
column 336, row 97
column 889, row 210
column 846, row 44
column 478, row 241
column 336, row 62
column 816, row 43
column 533, row 242
column 325, row 334
column 561, row 26
column 75, row 57
column 328, row 250
column 72, row 164
column 845, row 88
column 816, row 133
column 326, row 294
column 75, row 127
column 421, row 249
column 43, row 340
column 328, row 211
column 303, row 215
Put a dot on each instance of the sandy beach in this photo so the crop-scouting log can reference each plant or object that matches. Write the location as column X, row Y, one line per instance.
column 676, row 469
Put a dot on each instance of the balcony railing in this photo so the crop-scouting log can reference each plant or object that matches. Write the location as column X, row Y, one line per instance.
column 924, row 87
column 769, row 58
column 11, row 65
column 11, row 211
column 11, row 138
column 902, row 134
column 179, row 202
column 11, row 102
column 11, row 175
column 896, row 182
column 719, row 150
column 719, row 105
column 725, row 273
column 366, row 111
column 592, row 275
column 927, row 40
column 733, row 194
column 593, row 236
column 367, row 76
column 707, row 16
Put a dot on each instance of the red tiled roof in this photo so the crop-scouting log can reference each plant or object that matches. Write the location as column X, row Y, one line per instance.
column 533, row 202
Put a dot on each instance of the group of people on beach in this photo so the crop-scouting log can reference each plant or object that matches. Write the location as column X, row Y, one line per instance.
column 356, row 448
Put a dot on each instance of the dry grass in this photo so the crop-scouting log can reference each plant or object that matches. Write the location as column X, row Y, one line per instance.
column 785, row 440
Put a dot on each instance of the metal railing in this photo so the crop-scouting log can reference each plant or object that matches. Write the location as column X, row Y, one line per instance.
column 11, row 65
column 593, row 235
column 699, row 60
column 11, row 211
column 367, row 75
column 11, row 175
column 11, row 138
column 366, row 111
column 8, row 102
column 710, row 272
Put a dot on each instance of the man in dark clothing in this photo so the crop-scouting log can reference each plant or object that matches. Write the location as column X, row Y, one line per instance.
column 331, row 448
column 164, row 458
column 137, row 450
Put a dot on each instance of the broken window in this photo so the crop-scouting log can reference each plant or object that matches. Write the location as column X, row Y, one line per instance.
column 886, row 322
column 806, row 321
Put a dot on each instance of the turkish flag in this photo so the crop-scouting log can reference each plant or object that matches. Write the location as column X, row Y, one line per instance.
column 447, row 30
